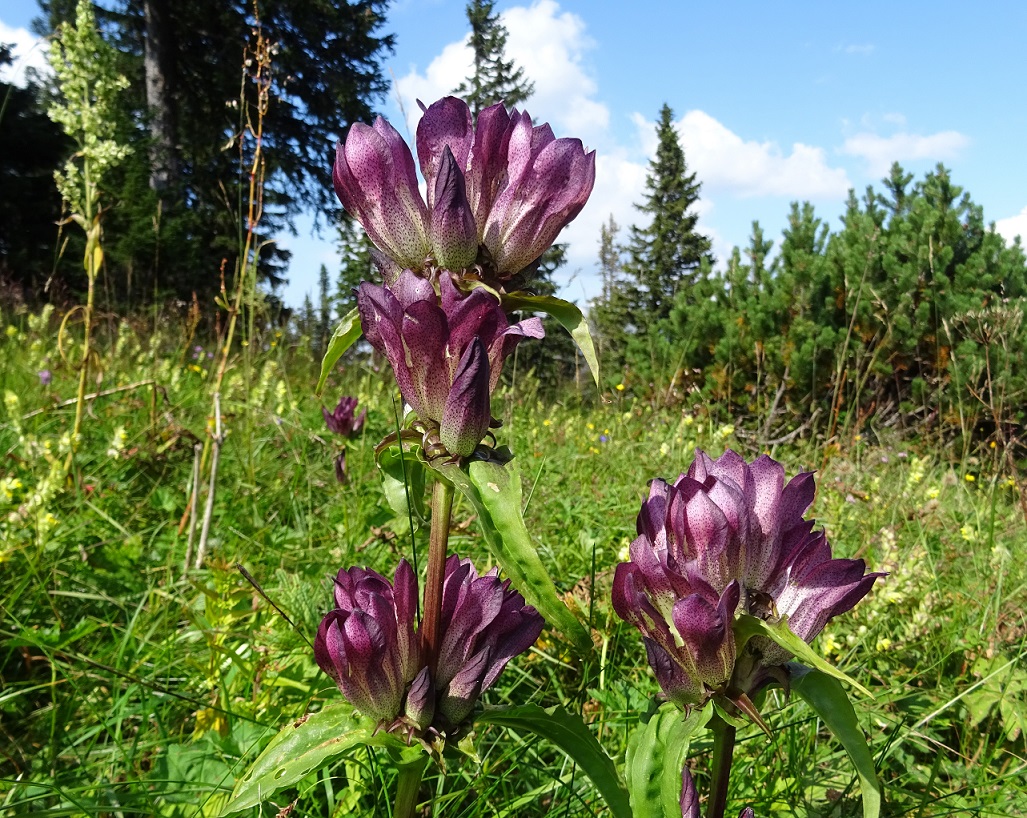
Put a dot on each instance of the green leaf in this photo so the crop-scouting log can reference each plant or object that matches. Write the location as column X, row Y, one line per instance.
column 747, row 626
column 403, row 482
column 346, row 334
column 494, row 490
column 656, row 756
column 827, row 698
column 569, row 316
column 573, row 737
column 303, row 747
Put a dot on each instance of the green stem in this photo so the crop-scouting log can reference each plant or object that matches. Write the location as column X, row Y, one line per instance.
column 723, row 750
column 407, row 786
column 441, row 512
column 92, row 249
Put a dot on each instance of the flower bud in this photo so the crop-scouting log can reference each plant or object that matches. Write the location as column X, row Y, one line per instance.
column 454, row 237
column 420, row 703
column 467, row 414
column 447, row 352
column 368, row 644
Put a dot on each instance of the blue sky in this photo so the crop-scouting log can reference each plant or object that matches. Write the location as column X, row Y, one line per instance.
column 773, row 102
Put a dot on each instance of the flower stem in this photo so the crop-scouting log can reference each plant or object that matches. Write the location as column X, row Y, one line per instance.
column 723, row 750
column 407, row 785
column 441, row 511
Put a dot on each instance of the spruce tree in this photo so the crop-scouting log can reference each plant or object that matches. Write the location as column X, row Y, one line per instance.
column 324, row 313
column 609, row 310
column 495, row 78
column 665, row 256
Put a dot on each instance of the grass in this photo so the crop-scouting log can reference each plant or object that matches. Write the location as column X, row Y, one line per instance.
column 131, row 687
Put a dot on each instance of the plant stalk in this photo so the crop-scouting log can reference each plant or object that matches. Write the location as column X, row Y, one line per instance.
column 92, row 254
column 441, row 512
column 723, row 750
column 407, row 786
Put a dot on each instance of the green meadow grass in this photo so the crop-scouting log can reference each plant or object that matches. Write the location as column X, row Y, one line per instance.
column 129, row 686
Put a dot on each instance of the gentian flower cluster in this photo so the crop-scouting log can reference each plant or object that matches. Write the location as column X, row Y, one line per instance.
column 447, row 353
column 729, row 537
column 368, row 644
column 499, row 191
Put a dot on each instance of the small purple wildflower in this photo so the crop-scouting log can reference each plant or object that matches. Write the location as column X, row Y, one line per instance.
column 344, row 420
column 45, row 377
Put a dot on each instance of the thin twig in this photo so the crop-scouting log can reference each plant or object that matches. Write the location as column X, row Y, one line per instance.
column 193, row 503
column 102, row 394
column 208, row 511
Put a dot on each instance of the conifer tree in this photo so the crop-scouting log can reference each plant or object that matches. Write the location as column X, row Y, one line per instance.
column 665, row 256
column 324, row 313
column 307, row 319
column 495, row 78
column 609, row 310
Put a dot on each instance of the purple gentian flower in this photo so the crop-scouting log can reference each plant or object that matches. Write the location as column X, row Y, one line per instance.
column 498, row 193
column 447, row 352
column 344, row 420
column 376, row 181
column 523, row 184
column 45, row 377
column 369, row 646
column 729, row 537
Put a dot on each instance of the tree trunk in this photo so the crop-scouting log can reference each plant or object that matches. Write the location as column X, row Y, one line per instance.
column 158, row 61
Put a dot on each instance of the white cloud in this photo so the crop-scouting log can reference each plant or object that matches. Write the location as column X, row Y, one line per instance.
column 879, row 152
column 550, row 46
column 861, row 49
column 1012, row 227
column 29, row 51
column 725, row 162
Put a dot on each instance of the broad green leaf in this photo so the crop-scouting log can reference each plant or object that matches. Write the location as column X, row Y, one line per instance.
column 346, row 334
column 827, row 698
column 567, row 314
column 403, row 481
column 573, row 737
column 301, row 748
column 747, row 626
column 656, row 756
column 494, row 490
